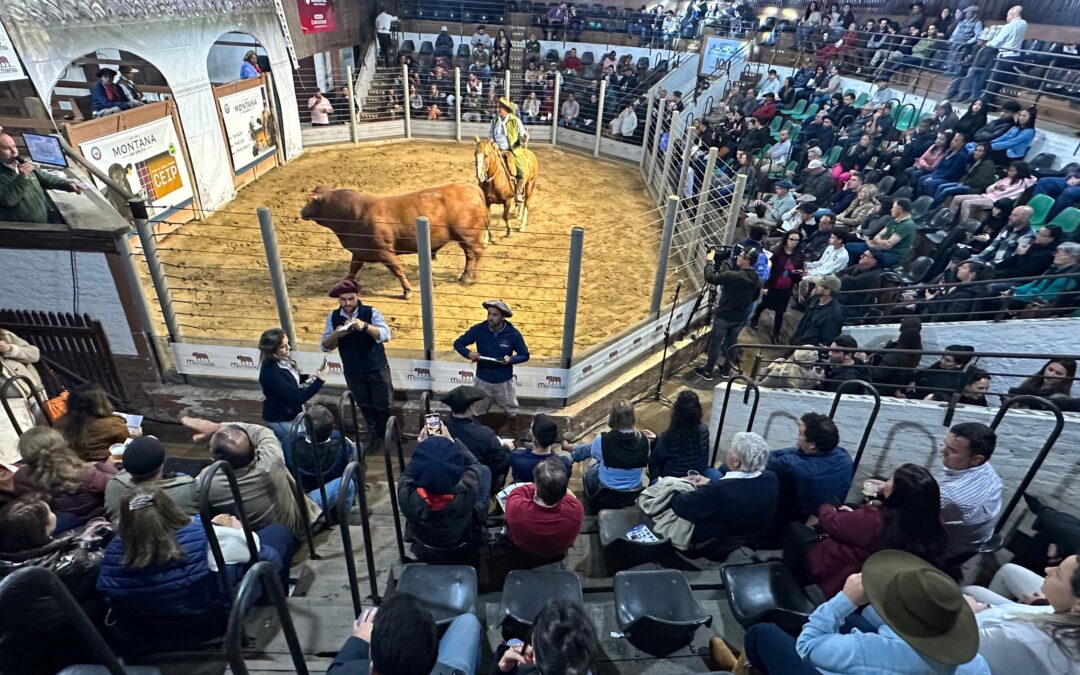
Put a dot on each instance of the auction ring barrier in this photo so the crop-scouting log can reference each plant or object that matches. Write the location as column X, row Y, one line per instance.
column 260, row 573
column 298, row 484
column 208, row 525
column 34, row 389
column 750, row 386
column 15, row 583
column 1051, row 439
column 393, row 435
column 355, row 473
column 866, row 386
column 348, row 402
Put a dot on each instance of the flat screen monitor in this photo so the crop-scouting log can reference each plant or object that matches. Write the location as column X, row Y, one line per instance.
column 45, row 149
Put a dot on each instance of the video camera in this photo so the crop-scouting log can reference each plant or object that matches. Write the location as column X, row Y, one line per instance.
column 722, row 253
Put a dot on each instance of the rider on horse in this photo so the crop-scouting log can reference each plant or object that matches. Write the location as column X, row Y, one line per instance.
column 508, row 133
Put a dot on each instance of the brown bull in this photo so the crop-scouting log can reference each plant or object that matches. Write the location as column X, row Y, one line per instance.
column 377, row 229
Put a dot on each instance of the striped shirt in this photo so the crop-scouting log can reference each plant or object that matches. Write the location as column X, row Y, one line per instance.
column 970, row 504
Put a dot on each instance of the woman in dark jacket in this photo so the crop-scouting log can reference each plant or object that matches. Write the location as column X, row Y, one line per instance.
column 684, row 446
column 973, row 120
column 853, row 159
column 285, row 389
column 907, row 518
column 1054, row 380
column 784, row 277
column 90, row 425
column 980, row 175
column 74, row 489
column 893, row 371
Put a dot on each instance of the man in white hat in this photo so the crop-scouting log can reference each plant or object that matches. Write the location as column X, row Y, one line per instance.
column 498, row 346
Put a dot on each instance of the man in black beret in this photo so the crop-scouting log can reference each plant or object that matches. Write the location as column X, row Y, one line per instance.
column 358, row 332
column 481, row 440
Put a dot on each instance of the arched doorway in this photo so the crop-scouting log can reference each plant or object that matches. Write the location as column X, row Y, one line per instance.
column 224, row 63
column 71, row 95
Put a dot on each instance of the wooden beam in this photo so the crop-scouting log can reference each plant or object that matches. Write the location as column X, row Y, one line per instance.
column 27, row 123
column 146, row 88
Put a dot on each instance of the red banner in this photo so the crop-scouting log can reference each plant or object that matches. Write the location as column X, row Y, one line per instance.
column 316, row 16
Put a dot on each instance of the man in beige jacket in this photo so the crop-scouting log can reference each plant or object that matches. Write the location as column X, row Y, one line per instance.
column 17, row 357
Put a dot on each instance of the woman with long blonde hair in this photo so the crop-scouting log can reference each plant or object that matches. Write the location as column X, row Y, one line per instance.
column 74, row 489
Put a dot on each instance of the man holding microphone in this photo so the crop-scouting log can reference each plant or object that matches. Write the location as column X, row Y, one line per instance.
column 358, row 332
column 498, row 347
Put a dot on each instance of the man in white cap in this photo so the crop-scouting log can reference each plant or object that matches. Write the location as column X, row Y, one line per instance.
column 816, row 181
column 498, row 346
column 444, row 44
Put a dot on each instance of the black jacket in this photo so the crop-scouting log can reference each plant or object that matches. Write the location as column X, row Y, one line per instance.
column 837, row 375
column 994, row 129
column 957, row 304
column 862, row 282
column 820, row 324
column 821, row 186
column 1037, row 260
column 284, row 397
column 724, row 510
column 482, row 441
column 738, row 290
column 677, row 452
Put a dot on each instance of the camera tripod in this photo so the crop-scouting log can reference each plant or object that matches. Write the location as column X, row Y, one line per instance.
column 656, row 394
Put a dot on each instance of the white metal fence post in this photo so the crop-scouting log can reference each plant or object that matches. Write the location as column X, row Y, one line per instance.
column 599, row 118
column 405, row 93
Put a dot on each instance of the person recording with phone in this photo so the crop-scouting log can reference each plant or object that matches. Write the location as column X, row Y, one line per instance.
column 23, row 186
column 739, row 288
column 480, row 439
column 286, row 389
column 358, row 332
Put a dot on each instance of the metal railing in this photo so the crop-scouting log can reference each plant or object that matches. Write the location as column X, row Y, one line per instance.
column 355, row 473
column 863, row 388
column 1044, row 451
column 393, row 437
column 206, row 517
column 35, row 391
column 262, row 573
column 304, row 418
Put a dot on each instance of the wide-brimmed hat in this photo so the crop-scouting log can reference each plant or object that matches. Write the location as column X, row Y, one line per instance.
column 829, row 281
column 102, row 72
column 508, row 104
column 460, row 398
column 344, row 286
column 249, row 54
column 922, row 605
column 499, row 305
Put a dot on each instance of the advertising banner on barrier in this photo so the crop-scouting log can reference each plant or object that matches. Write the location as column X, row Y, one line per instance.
column 246, row 115
column 715, row 50
column 442, row 376
column 146, row 158
column 316, row 16
column 10, row 67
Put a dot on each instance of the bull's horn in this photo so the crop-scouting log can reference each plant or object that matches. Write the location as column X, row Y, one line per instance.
column 476, row 139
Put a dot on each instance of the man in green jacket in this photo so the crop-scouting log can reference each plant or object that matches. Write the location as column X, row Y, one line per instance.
column 22, row 188
column 507, row 133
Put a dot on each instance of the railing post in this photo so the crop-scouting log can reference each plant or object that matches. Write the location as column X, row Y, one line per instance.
column 599, row 118
column 573, row 285
column 734, row 208
column 506, row 84
column 277, row 275
column 427, row 293
column 354, row 131
column 142, row 307
column 457, row 104
column 665, row 253
column 661, row 107
column 405, row 95
column 668, row 154
column 685, row 159
column 153, row 263
column 645, row 134
column 703, row 201
column 555, row 108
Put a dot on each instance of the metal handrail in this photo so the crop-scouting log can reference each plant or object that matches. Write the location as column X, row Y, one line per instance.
column 348, row 402
column 298, row 485
column 72, row 610
column 208, row 526
column 34, row 390
column 355, row 473
column 261, row 572
column 851, row 384
column 393, row 435
column 750, row 385
column 1059, row 425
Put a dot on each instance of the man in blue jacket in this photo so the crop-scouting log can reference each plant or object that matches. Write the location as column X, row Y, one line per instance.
column 106, row 97
column 498, row 346
column 817, row 471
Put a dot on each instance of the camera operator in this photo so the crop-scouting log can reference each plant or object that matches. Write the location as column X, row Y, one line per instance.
column 739, row 288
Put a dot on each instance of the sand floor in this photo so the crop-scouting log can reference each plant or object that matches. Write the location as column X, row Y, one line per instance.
column 221, row 289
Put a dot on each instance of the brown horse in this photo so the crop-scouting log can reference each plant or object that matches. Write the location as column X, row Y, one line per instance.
column 496, row 178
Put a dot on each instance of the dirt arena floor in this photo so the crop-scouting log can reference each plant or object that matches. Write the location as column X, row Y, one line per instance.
column 220, row 285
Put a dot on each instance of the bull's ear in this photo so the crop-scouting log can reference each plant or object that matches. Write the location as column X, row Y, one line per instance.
column 316, row 194
column 476, row 139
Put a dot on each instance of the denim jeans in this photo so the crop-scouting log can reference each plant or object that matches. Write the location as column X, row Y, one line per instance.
column 946, row 190
column 1064, row 195
column 459, row 648
column 771, row 650
column 723, row 337
column 333, row 488
column 886, row 258
column 283, row 431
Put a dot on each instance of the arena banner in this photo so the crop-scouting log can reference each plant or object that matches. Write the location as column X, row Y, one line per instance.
column 148, row 159
column 407, row 374
column 316, row 16
column 246, row 115
column 716, row 50
column 10, row 66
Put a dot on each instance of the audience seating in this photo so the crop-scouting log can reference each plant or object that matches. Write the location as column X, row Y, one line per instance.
column 766, row 592
column 606, row 498
column 447, row 591
column 621, row 552
column 657, row 607
column 527, row 591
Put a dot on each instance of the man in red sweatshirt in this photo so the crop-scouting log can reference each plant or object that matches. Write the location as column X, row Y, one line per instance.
column 543, row 519
column 765, row 112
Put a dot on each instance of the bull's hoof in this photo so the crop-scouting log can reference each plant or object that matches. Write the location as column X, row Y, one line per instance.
column 467, row 279
column 406, row 294
column 508, row 233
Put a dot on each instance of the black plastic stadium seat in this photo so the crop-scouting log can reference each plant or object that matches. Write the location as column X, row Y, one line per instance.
column 447, row 591
column 619, row 551
column 885, row 184
column 657, row 607
column 766, row 593
column 606, row 498
column 939, row 219
column 465, row 553
column 407, row 47
column 527, row 591
column 905, row 192
column 917, row 272
column 588, row 58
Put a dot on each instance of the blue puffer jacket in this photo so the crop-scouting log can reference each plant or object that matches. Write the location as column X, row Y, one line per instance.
column 183, row 588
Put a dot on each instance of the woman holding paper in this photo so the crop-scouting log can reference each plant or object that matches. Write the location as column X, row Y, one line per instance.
column 90, row 424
